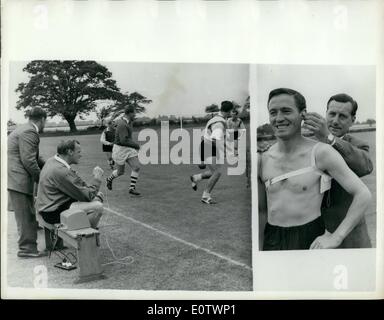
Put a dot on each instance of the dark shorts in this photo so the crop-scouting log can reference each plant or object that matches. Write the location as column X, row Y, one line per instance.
column 207, row 150
column 53, row 217
column 292, row 238
column 107, row 148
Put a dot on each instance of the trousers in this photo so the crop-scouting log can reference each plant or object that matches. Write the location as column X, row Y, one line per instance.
column 23, row 206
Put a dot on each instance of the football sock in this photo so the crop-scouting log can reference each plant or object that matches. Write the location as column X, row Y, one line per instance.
column 134, row 177
column 113, row 175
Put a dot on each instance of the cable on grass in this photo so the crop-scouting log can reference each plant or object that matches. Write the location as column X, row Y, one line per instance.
column 54, row 238
column 127, row 260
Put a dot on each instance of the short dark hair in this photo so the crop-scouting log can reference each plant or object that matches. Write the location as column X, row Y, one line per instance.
column 36, row 113
column 299, row 98
column 226, row 106
column 64, row 146
column 129, row 109
column 343, row 97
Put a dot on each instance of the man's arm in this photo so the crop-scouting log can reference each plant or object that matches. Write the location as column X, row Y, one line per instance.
column 28, row 148
column 356, row 156
column 73, row 186
column 330, row 160
column 102, row 138
column 354, row 152
column 217, row 131
column 242, row 128
column 262, row 199
column 40, row 162
column 218, row 136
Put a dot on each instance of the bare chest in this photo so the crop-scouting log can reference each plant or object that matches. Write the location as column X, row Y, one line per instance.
column 294, row 174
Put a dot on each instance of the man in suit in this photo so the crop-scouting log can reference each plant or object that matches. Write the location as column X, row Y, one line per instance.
column 341, row 114
column 24, row 166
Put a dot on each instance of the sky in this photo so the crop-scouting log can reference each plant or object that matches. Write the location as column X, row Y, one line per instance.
column 317, row 83
column 185, row 89
column 175, row 89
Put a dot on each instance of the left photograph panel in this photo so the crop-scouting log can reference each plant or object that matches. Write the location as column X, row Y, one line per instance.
column 128, row 176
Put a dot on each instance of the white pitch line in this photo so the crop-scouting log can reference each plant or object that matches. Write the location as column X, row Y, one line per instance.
column 190, row 244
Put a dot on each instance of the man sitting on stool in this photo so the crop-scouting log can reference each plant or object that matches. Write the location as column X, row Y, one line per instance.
column 60, row 187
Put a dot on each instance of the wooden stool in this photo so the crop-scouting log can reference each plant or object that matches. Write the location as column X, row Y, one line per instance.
column 87, row 244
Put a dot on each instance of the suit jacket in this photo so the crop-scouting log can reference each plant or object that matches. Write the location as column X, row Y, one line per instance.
column 337, row 201
column 24, row 162
column 60, row 185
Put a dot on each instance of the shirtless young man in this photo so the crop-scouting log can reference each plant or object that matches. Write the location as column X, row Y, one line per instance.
column 293, row 176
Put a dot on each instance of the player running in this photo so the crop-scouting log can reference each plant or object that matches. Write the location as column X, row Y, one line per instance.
column 210, row 152
column 125, row 150
column 107, row 138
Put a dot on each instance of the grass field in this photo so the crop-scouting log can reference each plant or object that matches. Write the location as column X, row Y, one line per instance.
column 171, row 240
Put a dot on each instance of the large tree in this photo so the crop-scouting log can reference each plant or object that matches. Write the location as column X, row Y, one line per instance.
column 131, row 99
column 66, row 88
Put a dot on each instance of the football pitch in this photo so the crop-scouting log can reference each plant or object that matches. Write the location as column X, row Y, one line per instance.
column 164, row 240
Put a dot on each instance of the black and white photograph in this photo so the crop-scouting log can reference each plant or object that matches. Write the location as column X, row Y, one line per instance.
column 316, row 157
column 129, row 176
column 192, row 149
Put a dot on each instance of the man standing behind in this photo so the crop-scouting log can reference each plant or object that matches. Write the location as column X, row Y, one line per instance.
column 125, row 150
column 340, row 116
column 236, row 124
column 24, row 166
column 61, row 188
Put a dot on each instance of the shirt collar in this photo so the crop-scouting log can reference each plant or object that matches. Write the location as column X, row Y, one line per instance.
column 62, row 161
column 36, row 127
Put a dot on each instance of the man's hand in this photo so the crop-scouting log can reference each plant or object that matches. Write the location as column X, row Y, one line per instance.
column 317, row 125
column 326, row 241
column 98, row 173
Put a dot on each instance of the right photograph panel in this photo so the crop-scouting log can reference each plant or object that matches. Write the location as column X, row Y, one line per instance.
column 316, row 159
